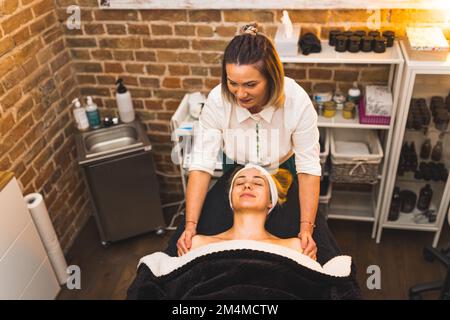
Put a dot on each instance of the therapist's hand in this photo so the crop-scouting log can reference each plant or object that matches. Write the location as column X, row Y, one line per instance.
column 184, row 243
column 308, row 244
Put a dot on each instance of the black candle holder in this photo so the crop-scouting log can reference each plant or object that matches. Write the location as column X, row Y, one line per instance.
column 360, row 33
column 348, row 34
column 332, row 37
column 380, row 45
column 341, row 43
column 367, row 44
column 374, row 33
column 390, row 36
column 354, row 44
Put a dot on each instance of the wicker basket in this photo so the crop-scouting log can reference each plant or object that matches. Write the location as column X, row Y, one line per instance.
column 324, row 132
column 355, row 168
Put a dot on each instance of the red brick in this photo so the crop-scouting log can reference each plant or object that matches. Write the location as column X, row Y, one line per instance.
column 24, row 108
column 215, row 71
column 82, row 54
column 156, row 69
column 167, row 56
column 184, row 30
column 248, row 16
column 115, row 15
column 192, row 84
column 21, row 36
column 121, row 43
column 205, row 31
column 167, row 15
column 37, row 27
column 166, row 43
column 323, row 74
column 212, row 58
column 6, row 44
column 153, row 104
column 101, row 54
column 209, row 45
column 6, row 123
column 81, row 42
column 86, row 79
column 42, row 7
column 138, row 29
column 104, row 92
column 199, row 71
column 13, row 78
column 88, row 67
column 204, row 16
column 8, row 7
column 123, row 55
column 11, row 98
column 134, row 68
column 14, row 22
column 225, row 31
column 345, row 75
column 116, row 29
column 113, row 67
column 106, row 80
column 145, row 56
column 94, row 29
column 189, row 57
column 161, row 30
column 6, row 64
column 179, row 70
column 140, row 93
column 171, row 82
column 210, row 83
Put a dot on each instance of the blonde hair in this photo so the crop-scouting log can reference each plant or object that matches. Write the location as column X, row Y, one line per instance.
column 253, row 48
column 283, row 180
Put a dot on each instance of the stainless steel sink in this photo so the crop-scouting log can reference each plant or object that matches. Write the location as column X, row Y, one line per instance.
column 108, row 142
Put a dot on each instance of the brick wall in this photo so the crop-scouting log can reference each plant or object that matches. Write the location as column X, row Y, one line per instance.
column 161, row 54
column 37, row 83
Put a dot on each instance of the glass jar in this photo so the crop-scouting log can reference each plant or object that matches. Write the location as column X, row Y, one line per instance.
column 354, row 44
column 341, row 43
column 332, row 37
column 380, row 45
column 390, row 36
column 349, row 110
column 329, row 109
column 367, row 43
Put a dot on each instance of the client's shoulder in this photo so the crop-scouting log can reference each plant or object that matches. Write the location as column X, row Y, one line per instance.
column 200, row 240
column 292, row 243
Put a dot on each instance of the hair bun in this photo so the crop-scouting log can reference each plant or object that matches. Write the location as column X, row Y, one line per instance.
column 251, row 28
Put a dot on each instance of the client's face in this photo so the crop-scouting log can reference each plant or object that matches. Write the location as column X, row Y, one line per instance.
column 251, row 191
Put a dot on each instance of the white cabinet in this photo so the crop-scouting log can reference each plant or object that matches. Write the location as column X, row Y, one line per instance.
column 422, row 79
column 348, row 203
column 25, row 270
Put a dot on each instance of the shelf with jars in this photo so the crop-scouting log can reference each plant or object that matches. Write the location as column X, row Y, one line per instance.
column 344, row 114
column 417, row 190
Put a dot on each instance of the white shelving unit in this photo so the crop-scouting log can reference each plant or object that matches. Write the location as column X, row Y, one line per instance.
column 360, row 205
column 421, row 79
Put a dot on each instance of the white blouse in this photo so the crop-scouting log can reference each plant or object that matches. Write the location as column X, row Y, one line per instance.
column 267, row 138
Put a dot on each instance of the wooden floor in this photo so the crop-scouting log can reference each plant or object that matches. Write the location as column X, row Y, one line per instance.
column 106, row 273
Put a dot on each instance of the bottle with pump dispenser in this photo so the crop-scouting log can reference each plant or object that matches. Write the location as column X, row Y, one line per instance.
column 80, row 116
column 124, row 102
column 92, row 113
column 354, row 94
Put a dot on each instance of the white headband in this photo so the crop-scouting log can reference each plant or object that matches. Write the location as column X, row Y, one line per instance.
column 272, row 186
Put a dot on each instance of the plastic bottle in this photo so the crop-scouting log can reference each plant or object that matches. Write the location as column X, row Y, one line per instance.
column 436, row 154
column 394, row 211
column 124, row 102
column 354, row 94
column 80, row 115
column 92, row 114
column 426, row 193
column 425, row 150
column 339, row 98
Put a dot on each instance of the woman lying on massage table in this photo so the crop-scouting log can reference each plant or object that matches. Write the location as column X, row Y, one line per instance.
column 253, row 194
column 246, row 261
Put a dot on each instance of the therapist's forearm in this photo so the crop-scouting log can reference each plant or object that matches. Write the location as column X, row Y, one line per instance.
column 309, row 191
column 196, row 190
